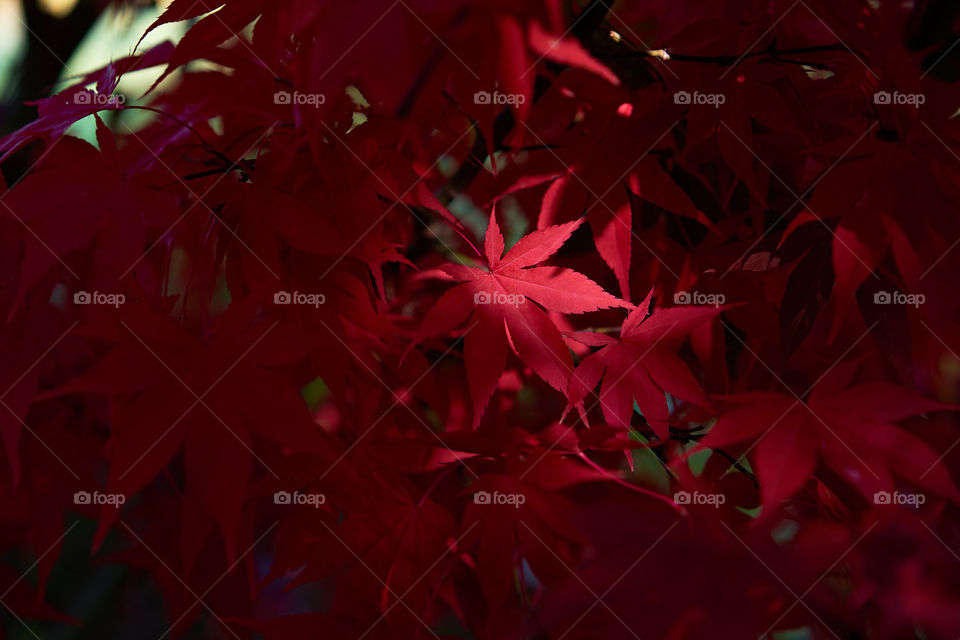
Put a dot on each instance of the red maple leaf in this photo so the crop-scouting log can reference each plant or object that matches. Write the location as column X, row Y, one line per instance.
column 851, row 429
column 500, row 305
column 640, row 366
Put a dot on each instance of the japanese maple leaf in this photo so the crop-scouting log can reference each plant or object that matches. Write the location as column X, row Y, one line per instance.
column 501, row 303
column 206, row 34
column 640, row 366
column 568, row 51
column 56, row 113
column 851, row 428
column 608, row 184
column 534, row 530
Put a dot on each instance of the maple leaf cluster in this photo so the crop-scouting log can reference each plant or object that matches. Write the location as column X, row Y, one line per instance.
column 496, row 320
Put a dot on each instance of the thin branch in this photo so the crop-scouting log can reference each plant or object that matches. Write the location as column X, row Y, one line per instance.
column 730, row 60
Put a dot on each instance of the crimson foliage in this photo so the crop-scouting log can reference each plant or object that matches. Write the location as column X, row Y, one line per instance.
column 494, row 320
